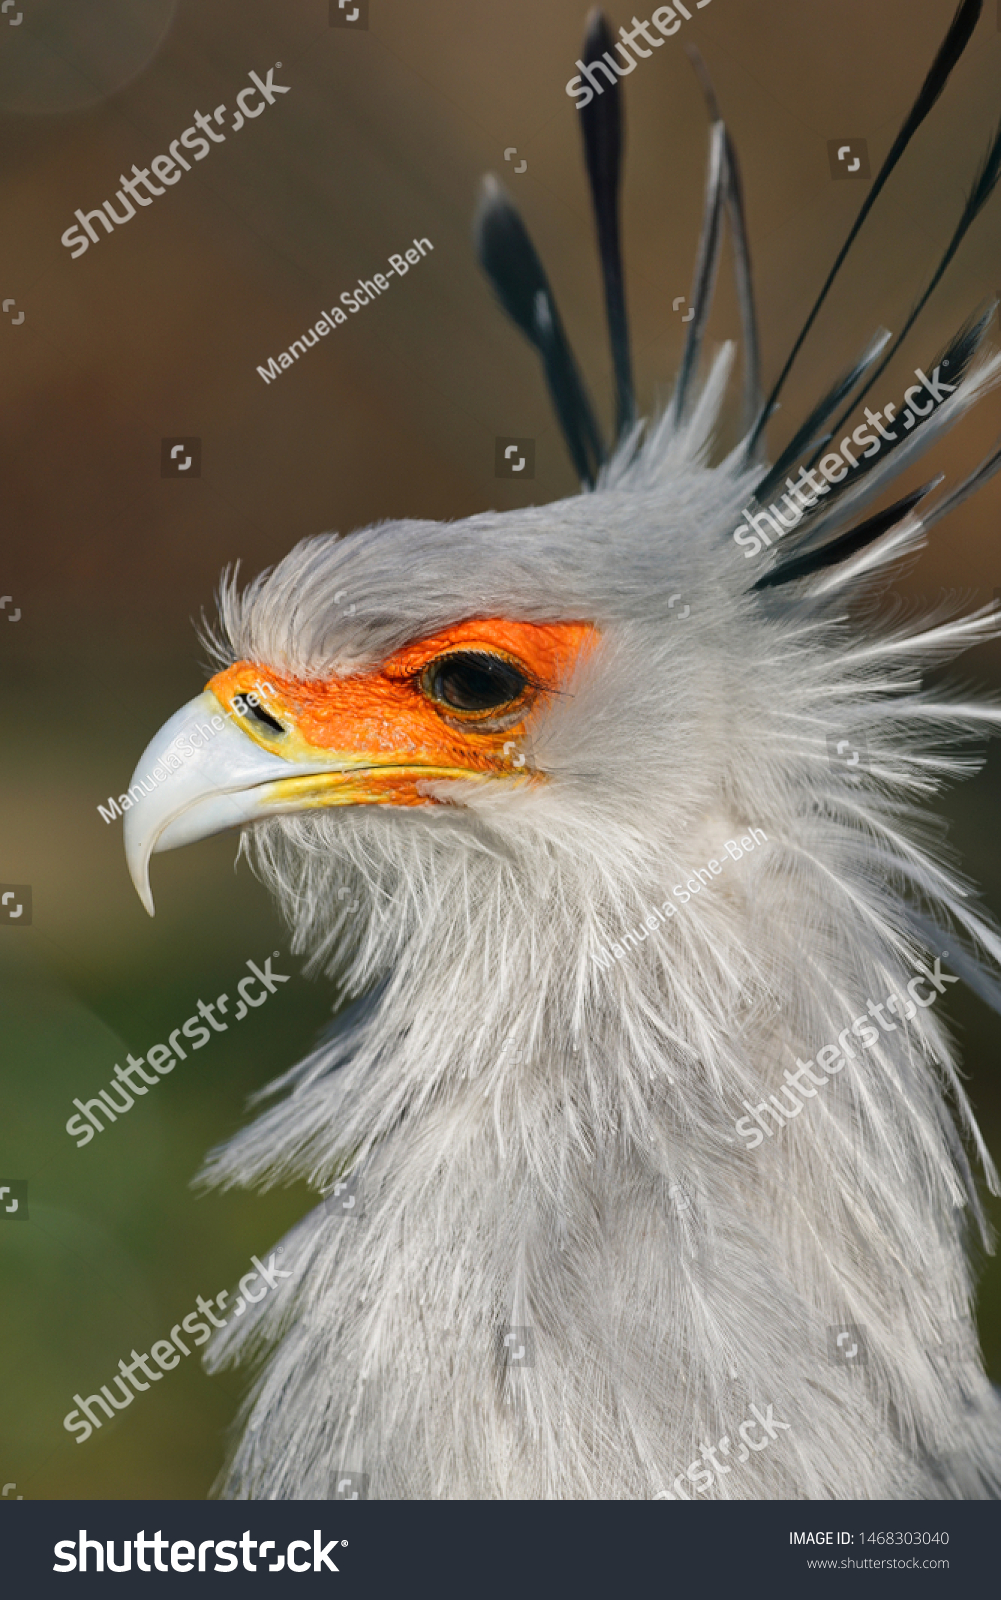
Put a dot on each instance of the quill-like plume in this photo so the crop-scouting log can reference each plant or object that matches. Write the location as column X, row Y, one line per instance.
column 806, row 434
column 511, row 262
column 601, row 123
column 846, row 544
column 983, row 188
column 955, row 42
column 733, row 197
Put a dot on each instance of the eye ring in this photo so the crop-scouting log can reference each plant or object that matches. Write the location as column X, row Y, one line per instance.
column 476, row 686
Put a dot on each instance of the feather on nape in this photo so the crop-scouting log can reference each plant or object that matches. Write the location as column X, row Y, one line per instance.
column 547, row 1140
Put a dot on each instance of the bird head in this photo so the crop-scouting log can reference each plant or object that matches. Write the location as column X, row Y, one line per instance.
column 511, row 735
column 376, row 705
column 523, row 684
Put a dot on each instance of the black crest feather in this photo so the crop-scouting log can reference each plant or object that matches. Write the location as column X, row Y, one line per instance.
column 845, row 545
column 601, row 123
column 983, row 187
column 954, row 363
column 952, row 47
column 733, row 197
column 805, row 436
column 511, row 262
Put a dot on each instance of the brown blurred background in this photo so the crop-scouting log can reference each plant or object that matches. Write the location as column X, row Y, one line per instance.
column 157, row 331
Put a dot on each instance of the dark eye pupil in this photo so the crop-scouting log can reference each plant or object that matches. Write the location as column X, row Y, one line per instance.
column 476, row 683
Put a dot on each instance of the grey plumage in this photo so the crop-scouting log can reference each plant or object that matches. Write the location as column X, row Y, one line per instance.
column 545, row 1139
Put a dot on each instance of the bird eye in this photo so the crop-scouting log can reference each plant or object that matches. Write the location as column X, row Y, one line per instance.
column 471, row 682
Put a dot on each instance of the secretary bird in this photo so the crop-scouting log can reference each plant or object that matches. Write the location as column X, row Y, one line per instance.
column 554, row 798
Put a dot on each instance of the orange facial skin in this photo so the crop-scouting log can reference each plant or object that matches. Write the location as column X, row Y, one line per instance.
column 384, row 733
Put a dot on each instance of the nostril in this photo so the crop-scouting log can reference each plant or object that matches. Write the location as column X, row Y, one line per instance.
column 265, row 717
column 247, row 705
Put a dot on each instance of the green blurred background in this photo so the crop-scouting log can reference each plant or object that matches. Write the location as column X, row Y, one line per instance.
column 156, row 332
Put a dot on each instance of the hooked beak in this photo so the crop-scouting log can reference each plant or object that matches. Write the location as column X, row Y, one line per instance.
column 197, row 776
column 248, row 748
column 213, row 767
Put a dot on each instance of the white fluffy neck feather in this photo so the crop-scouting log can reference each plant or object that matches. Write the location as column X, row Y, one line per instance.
column 545, row 1144
column 586, row 1182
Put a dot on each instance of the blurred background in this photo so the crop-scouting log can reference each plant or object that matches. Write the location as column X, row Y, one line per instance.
column 156, row 332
